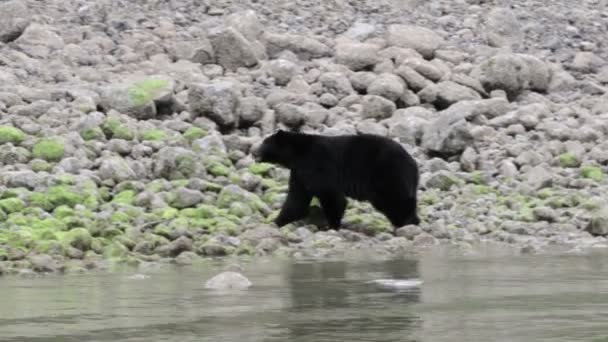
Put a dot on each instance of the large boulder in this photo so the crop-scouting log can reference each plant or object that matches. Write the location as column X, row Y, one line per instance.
column 502, row 28
column 138, row 97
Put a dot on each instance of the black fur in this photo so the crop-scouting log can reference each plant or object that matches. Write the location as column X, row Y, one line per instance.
column 364, row 167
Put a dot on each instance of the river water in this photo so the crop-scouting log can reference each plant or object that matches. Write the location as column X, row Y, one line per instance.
column 444, row 298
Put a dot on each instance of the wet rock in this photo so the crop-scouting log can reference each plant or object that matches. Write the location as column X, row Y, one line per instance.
column 502, row 28
column 228, row 281
column 14, row 18
column 421, row 39
column 304, row 47
column 357, row 56
column 176, row 247
column 598, row 225
column 217, row 101
column 255, row 235
column 409, row 232
column 43, row 263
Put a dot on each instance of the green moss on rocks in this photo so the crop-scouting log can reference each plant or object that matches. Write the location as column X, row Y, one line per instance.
column 114, row 129
column 218, row 169
column 39, row 165
column 143, row 92
column 48, row 149
column 11, row 205
column 63, row 211
column 194, row 133
column 261, row 169
column 95, row 133
column 592, row 172
column 9, row 134
column 78, row 238
column 153, row 135
column 63, row 195
column 568, row 159
column 126, row 197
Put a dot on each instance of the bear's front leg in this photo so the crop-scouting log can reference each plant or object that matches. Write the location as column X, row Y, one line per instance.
column 334, row 205
column 296, row 205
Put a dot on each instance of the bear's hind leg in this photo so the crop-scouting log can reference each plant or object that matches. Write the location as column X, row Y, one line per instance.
column 296, row 205
column 333, row 205
column 399, row 210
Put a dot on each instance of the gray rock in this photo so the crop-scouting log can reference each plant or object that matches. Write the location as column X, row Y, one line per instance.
column 442, row 180
column 378, row 107
column 218, row 101
column 418, row 38
column 414, row 80
column 232, row 50
column 251, row 110
column 408, row 232
column 357, row 56
column 359, row 31
column 43, row 263
column 255, row 235
column 587, row 62
column 539, row 177
column 246, row 23
column 446, row 93
column 210, row 144
column 371, row 127
column 281, row 70
column 228, row 281
column 362, row 79
column 502, row 29
column 116, row 169
column 14, row 18
column 468, row 159
column 290, row 115
column 21, row 179
column 10, row 155
column 185, row 198
column 203, row 53
column 598, row 225
column 39, row 40
column 408, row 124
column 508, row 169
column 314, row 114
column 304, row 47
column 389, row 86
column 337, row 84
column 448, row 135
column 425, row 68
column 513, row 73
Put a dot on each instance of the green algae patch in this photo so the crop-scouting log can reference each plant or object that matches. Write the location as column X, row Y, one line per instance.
column 141, row 93
column 194, row 133
column 11, row 205
column 63, row 195
column 126, row 197
column 218, row 169
column 115, row 129
column 115, row 250
column 48, row 149
column 260, row 169
column 63, row 211
column 153, row 135
column 39, row 165
column 592, row 172
column 9, row 134
column 569, row 160
column 95, row 133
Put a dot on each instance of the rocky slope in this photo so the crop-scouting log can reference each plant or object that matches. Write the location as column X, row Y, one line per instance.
column 126, row 126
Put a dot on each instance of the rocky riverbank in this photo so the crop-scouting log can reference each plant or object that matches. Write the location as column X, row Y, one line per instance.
column 126, row 126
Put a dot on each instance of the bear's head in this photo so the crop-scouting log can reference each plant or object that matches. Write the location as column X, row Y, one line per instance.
column 282, row 148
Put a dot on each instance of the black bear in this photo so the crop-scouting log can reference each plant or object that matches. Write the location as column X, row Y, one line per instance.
column 364, row 167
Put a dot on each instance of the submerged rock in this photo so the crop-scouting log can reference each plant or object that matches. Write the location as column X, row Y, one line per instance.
column 228, row 281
